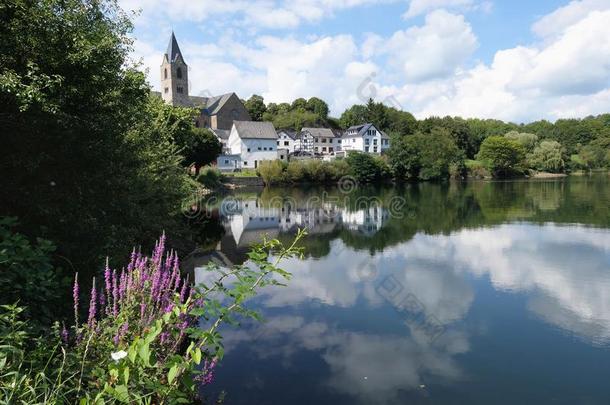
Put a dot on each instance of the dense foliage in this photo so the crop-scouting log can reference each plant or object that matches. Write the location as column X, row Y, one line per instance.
column 143, row 334
column 303, row 171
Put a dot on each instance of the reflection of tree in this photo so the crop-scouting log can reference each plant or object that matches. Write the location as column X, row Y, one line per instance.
column 433, row 208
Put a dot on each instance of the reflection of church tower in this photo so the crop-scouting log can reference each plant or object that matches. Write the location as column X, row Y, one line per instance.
column 174, row 76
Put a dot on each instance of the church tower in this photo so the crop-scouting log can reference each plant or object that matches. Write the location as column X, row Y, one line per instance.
column 174, row 76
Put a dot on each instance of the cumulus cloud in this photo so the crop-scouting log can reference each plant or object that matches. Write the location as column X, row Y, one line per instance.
column 417, row 7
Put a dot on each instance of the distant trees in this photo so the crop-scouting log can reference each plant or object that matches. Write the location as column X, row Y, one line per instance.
column 528, row 141
column 547, row 157
column 501, row 156
column 425, row 156
column 256, row 107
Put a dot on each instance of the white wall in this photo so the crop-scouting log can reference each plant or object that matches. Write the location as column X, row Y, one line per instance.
column 252, row 150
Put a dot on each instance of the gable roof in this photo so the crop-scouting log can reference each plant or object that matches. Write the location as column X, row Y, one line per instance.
column 291, row 133
column 320, row 132
column 255, row 129
column 173, row 50
column 361, row 130
column 221, row 133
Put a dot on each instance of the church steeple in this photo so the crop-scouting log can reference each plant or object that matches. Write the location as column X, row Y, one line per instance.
column 173, row 50
column 174, row 75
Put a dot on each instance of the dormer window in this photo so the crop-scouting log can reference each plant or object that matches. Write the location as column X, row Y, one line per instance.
column 179, row 73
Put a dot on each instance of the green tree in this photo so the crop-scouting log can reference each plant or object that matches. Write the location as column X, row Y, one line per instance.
column 401, row 122
column 318, row 107
column 355, row 115
column 404, row 158
column 80, row 164
column 256, row 107
column 528, row 141
column 502, row 156
column 299, row 103
column 547, row 157
column 367, row 168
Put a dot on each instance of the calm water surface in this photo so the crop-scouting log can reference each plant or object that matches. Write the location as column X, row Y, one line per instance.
column 461, row 293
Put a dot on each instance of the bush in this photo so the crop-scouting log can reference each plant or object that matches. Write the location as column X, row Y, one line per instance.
column 547, row 157
column 303, row 171
column 272, row 171
column 476, row 169
column 367, row 168
column 501, row 156
column 149, row 337
column 210, row 177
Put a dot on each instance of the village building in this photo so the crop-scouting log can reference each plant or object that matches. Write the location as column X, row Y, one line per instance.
column 216, row 112
column 319, row 141
column 286, row 139
column 254, row 141
column 365, row 138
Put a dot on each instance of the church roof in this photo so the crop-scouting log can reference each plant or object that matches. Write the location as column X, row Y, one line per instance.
column 173, row 50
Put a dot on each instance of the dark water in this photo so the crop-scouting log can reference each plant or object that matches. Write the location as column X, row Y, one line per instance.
column 443, row 294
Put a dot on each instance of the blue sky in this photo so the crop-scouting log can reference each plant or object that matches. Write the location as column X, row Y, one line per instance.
column 515, row 60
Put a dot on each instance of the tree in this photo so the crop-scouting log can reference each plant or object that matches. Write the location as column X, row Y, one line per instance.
column 82, row 165
column 299, row 103
column 528, row 141
column 366, row 168
column 401, row 122
column 318, row 107
column 355, row 115
column 501, row 156
column 547, row 157
column 256, row 107
column 403, row 157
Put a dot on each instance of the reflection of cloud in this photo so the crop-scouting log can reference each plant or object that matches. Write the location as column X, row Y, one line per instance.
column 565, row 268
column 372, row 368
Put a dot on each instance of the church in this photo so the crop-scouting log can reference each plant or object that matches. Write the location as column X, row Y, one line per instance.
column 216, row 113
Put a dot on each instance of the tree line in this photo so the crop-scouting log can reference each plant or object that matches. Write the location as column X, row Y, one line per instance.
column 439, row 147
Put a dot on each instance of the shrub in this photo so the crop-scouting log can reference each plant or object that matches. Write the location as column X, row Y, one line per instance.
column 142, row 341
column 501, row 156
column 367, row 168
column 210, row 177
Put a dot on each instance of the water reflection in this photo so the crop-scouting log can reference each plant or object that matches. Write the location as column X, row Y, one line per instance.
column 489, row 263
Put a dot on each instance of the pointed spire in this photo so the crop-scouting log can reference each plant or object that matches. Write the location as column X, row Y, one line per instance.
column 173, row 50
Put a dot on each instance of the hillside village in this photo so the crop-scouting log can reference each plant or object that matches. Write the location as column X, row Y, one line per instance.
column 245, row 143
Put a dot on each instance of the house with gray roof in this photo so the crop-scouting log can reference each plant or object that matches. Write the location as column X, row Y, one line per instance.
column 254, row 141
column 365, row 138
column 320, row 141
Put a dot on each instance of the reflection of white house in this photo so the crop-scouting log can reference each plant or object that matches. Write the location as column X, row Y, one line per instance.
column 316, row 220
column 365, row 138
column 286, row 139
column 367, row 221
column 253, row 141
column 249, row 222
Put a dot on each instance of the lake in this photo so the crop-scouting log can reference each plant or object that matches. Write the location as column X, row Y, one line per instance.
column 475, row 292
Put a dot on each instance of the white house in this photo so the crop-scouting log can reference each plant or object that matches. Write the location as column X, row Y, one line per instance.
column 228, row 162
column 365, row 138
column 253, row 141
column 321, row 141
column 286, row 139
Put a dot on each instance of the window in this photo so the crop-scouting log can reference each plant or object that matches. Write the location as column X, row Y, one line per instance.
column 166, row 90
column 316, row 148
column 366, row 149
column 286, row 143
column 330, row 149
column 323, row 140
column 165, row 73
column 245, row 163
column 259, row 148
column 316, row 139
column 264, row 148
column 179, row 90
column 375, row 149
column 374, row 141
column 282, row 157
column 324, row 149
column 248, row 149
column 366, row 141
column 179, row 73
column 338, row 140
column 226, row 161
column 278, row 142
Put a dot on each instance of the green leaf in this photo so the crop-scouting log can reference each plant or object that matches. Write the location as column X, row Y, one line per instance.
column 132, row 352
column 197, row 356
column 126, row 375
column 144, row 353
column 121, row 393
column 171, row 375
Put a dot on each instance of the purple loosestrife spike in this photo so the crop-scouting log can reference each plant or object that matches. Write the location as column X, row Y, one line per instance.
column 142, row 309
column 64, row 334
column 108, row 280
column 132, row 262
column 92, row 305
column 122, row 286
column 75, row 294
column 115, row 294
column 102, row 301
column 183, row 290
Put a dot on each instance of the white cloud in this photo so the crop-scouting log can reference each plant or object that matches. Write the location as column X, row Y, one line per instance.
column 556, row 22
column 417, row 7
column 433, row 50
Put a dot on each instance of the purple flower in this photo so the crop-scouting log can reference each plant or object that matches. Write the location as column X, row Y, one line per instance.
column 115, row 293
column 92, row 305
column 142, row 309
column 64, row 334
column 75, row 294
column 108, row 280
column 207, row 374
